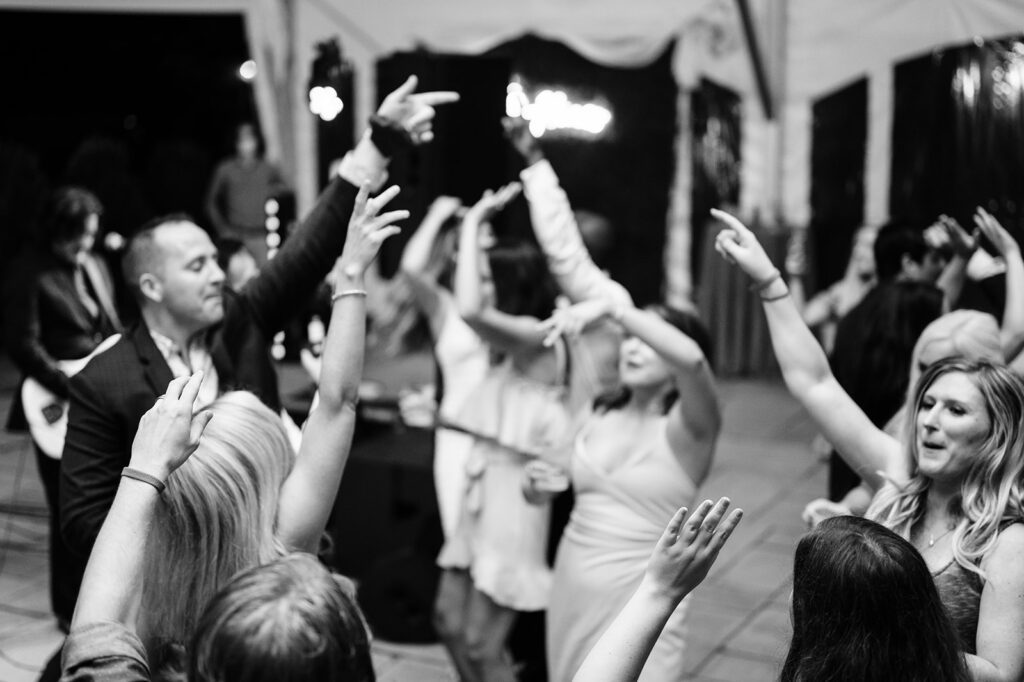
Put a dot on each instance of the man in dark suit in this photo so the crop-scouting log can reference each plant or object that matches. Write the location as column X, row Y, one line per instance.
column 190, row 321
column 58, row 307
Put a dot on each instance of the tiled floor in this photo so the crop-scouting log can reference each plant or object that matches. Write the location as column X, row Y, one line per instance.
column 738, row 622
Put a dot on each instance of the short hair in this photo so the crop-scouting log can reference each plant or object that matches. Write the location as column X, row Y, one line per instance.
column 290, row 620
column 865, row 607
column 141, row 254
column 236, row 132
column 897, row 239
column 67, row 213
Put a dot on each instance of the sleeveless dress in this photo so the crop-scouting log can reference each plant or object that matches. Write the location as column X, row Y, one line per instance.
column 619, row 516
column 501, row 539
column 960, row 593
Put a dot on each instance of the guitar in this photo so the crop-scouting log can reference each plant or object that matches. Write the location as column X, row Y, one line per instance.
column 46, row 414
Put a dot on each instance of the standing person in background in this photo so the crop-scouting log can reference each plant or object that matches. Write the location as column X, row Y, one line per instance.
column 239, row 190
column 59, row 306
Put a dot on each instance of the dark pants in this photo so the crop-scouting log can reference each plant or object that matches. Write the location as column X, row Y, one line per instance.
column 65, row 569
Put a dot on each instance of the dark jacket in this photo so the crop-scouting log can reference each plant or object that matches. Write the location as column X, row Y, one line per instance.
column 119, row 385
column 45, row 320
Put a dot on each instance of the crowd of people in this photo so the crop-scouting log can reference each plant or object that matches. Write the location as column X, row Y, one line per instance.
column 186, row 519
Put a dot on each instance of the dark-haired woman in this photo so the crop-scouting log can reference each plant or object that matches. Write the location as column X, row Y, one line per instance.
column 494, row 562
column 641, row 453
column 865, row 608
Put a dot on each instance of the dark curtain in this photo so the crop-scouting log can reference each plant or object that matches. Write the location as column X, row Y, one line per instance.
column 958, row 134
column 624, row 175
column 715, row 128
column 838, row 144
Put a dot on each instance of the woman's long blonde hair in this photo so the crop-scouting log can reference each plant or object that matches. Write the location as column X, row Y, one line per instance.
column 991, row 494
column 216, row 518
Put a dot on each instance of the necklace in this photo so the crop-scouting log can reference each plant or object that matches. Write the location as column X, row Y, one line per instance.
column 932, row 539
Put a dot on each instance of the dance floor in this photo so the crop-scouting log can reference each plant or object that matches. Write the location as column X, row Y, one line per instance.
column 738, row 618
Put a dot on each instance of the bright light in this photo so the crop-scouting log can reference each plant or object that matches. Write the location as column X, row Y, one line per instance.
column 325, row 102
column 553, row 110
column 247, row 71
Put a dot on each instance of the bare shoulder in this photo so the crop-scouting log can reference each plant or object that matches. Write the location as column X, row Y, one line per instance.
column 1003, row 562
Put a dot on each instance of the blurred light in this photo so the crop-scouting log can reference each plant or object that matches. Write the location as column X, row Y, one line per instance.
column 325, row 102
column 273, row 223
column 271, row 207
column 247, row 71
column 553, row 110
column 273, row 240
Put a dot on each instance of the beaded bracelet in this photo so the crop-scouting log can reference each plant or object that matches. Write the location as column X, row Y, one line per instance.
column 143, row 477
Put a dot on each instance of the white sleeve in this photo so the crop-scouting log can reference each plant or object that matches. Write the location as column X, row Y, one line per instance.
column 559, row 236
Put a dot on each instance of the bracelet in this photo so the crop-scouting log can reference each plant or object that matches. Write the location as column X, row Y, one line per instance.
column 777, row 297
column 347, row 292
column 765, row 283
column 143, row 477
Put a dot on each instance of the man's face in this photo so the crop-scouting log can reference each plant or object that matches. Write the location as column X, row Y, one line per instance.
column 190, row 281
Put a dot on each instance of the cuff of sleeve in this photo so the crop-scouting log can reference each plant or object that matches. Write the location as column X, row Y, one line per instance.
column 538, row 176
column 104, row 640
column 364, row 165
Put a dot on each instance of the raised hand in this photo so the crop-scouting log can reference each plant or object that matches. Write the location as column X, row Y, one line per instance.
column 518, row 133
column 413, row 112
column 963, row 244
column 493, row 202
column 170, row 431
column 444, row 207
column 1001, row 240
column 686, row 551
column 367, row 231
column 738, row 245
column 569, row 321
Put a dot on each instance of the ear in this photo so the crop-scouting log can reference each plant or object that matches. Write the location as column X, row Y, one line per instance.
column 151, row 287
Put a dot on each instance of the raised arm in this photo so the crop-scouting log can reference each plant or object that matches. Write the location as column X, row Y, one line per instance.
column 555, row 226
column 866, row 448
column 1011, row 332
column 509, row 333
column 307, row 255
column 681, row 560
column 168, row 434
column 308, row 494
column 951, row 281
column 416, row 263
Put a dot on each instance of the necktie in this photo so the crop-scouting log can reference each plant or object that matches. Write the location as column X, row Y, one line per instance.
column 83, row 293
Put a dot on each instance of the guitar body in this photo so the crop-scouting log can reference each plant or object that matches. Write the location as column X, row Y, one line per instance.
column 46, row 414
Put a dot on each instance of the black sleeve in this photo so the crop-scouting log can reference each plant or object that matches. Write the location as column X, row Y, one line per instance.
column 290, row 279
column 23, row 332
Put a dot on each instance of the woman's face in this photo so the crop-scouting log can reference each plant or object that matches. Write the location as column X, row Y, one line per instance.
column 952, row 422
column 640, row 366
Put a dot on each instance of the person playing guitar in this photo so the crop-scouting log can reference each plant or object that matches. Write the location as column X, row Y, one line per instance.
column 58, row 311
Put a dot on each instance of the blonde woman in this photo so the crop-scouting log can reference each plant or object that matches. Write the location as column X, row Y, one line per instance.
column 244, row 498
column 952, row 485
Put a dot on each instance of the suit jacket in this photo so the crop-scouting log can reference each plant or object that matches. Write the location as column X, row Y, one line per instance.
column 118, row 386
column 46, row 321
